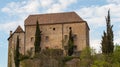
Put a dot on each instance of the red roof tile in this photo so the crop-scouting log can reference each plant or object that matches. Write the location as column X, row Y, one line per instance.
column 53, row 18
column 18, row 30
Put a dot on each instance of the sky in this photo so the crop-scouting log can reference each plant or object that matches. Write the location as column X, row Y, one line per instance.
column 14, row 12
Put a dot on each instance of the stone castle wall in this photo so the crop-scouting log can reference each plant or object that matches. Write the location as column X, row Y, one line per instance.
column 12, row 47
column 56, row 35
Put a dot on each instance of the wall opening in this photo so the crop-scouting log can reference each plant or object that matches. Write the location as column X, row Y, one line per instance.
column 53, row 28
column 46, row 38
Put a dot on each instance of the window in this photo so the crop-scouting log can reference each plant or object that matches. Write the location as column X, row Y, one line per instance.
column 75, row 47
column 19, row 48
column 66, row 36
column 74, row 36
column 31, row 39
column 50, row 27
column 32, row 49
column 47, row 38
column 66, row 47
column 56, row 47
column 70, row 28
column 19, row 41
column 53, row 28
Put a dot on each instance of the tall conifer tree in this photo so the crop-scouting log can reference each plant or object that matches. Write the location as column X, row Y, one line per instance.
column 17, row 54
column 70, row 44
column 37, row 39
column 107, row 39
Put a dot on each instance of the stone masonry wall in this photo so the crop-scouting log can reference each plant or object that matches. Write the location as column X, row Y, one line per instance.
column 56, row 35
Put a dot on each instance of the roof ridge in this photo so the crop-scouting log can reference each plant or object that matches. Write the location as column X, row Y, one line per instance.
column 19, row 29
column 52, row 13
column 53, row 18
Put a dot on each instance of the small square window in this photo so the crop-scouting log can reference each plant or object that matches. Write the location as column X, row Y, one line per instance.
column 75, row 47
column 66, row 36
column 75, row 37
column 66, row 47
column 31, row 38
column 31, row 49
column 47, row 38
column 53, row 28
column 19, row 48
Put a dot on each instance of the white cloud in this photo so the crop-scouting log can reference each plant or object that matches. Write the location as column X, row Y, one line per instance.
column 114, row 1
column 36, row 6
column 6, row 27
column 23, row 9
column 60, row 5
column 117, row 38
column 96, row 14
column 95, row 44
column 17, row 8
column 46, row 3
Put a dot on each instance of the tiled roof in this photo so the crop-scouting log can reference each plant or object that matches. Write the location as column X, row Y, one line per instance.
column 18, row 30
column 53, row 18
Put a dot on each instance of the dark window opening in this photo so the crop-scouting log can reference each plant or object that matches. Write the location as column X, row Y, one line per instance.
column 75, row 37
column 70, row 28
column 46, row 38
column 53, row 28
column 75, row 47
column 31, row 49
column 66, row 36
column 31, row 38
column 66, row 47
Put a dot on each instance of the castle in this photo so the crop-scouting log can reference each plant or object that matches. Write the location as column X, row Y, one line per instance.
column 55, row 29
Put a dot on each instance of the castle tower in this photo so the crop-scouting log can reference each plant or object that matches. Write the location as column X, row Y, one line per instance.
column 54, row 29
column 12, row 44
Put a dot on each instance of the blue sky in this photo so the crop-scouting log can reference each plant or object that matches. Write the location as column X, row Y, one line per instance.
column 14, row 12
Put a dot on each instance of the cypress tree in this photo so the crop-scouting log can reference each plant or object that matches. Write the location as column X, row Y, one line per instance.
column 104, row 43
column 37, row 39
column 70, row 44
column 107, row 39
column 17, row 54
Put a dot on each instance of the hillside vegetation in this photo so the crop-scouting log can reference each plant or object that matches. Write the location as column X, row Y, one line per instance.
column 88, row 58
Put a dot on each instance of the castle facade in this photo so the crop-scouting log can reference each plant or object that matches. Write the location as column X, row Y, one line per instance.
column 54, row 28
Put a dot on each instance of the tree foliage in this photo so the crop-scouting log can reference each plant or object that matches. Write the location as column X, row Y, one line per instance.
column 85, row 57
column 70, row 44
column 107, row 38
column 17, row 54
column 104, row 60
column 100, row 60
column 37, row 39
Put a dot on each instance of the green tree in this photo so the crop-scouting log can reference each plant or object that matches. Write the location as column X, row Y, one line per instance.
column 85, row 57
column 70, row 44
column 37, row 39
column 116, row 54
column 104, row 43
column 17, row 54
column 107, row 38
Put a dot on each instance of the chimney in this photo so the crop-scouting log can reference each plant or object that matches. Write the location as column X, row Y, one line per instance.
column 10, row 33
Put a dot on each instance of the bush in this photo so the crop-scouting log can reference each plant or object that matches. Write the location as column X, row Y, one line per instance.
column 23, row 57
column 67, row 58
